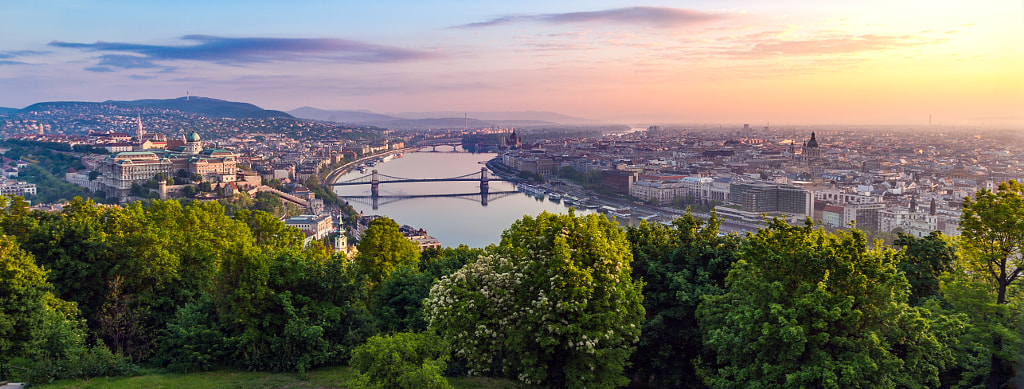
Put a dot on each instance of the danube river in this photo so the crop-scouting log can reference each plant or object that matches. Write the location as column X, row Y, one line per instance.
column 452, row 220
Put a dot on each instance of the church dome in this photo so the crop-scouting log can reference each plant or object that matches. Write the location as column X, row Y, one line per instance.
column 192, row 137
column 813, row 142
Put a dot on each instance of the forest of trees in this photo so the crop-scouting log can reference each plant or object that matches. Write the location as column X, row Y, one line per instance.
column 561, row 301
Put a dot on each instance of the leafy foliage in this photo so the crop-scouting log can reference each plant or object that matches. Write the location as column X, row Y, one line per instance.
column 806, row 308
column 554, row 304
column 403, row 360
column 382, row 250
column 679, row 265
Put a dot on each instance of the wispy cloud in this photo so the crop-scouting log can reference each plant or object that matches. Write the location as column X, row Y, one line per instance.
column 126, row 61
column 247, row 50
column 8, row 57
column 832, row 44
column 10, row 54
column 662, row 17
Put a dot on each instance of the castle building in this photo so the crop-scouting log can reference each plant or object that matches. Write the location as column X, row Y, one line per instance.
column 120, row 170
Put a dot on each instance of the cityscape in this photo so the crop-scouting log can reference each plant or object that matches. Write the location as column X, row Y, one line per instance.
column 512, row 194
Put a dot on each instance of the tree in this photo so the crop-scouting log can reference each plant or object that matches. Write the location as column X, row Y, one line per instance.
column 992, row 232
column 807, row 308
column 679, row 266
column 382, row 250
column 93, row 174
column 923, row 261
column 554, row 304
column 23, row 289
column 398, row 303
column 992, row 229
column 402, row 360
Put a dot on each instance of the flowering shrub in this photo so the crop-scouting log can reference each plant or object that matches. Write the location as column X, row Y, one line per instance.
column 554, row 304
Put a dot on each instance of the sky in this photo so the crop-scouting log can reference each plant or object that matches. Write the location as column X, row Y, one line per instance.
column 890, row 62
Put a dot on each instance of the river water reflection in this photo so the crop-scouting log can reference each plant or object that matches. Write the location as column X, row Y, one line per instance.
column 452, row 220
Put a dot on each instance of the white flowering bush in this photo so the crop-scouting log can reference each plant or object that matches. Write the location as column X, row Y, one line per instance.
column 554, row 304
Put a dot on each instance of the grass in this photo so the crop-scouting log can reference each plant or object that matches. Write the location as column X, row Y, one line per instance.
column 328, row 377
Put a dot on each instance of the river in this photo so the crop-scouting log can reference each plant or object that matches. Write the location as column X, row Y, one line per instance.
column 452, row 220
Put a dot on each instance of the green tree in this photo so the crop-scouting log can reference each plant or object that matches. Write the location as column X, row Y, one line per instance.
column 978, row 330
column 992, row 229
column 23, row 290
column 679, row 265
column 382, row 250
column 554, row 304
column 402, row 360
column 923, row 261
column 806, row 308
column 270, row 232
column 992, row 232
column 398, row 303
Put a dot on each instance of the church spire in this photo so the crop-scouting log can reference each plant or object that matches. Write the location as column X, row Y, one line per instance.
column 140, row 132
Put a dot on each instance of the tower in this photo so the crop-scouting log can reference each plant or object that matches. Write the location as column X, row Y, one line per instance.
column 192, row 143
column 140, row 131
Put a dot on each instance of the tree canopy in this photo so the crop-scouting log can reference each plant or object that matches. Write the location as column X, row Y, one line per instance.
column 554, row 304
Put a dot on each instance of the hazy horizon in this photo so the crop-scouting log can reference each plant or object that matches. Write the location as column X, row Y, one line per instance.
column 791, row 63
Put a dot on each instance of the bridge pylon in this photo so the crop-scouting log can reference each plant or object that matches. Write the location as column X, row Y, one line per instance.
column 483, row 181
column 375, row 184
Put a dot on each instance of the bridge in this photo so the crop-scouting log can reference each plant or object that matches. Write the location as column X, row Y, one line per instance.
column 433, row 143
column 374, row 179
column 377, row 201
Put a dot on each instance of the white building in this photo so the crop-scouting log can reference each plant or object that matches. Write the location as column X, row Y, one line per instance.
column 16, row 188
column 318, row 226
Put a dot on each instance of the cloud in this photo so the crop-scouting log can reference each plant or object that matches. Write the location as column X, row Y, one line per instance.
column 825, row 45
column 248, row 50
column 661, row 17
column 126, row 61
column 9, row 62
column 20, row 53
column 99, row 69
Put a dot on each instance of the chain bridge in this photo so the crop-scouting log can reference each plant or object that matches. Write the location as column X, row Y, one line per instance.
column 377, row 201
column 375, row 179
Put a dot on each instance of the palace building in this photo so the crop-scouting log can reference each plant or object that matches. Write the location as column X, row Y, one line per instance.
column 120, row 170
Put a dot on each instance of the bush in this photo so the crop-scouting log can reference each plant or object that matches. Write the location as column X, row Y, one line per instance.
column 98, row 361
column 402, row 360
column 194, row 340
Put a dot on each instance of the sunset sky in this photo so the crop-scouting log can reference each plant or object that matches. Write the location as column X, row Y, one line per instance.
column 791, row 62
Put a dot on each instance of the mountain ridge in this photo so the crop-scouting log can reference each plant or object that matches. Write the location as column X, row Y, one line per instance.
column 205, row 106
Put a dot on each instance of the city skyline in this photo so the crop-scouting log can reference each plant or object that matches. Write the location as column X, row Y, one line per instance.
column 795, row 62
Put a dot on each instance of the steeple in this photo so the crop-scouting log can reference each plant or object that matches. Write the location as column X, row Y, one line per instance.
column 931, row 208
column 913, row 204
column 140, row 132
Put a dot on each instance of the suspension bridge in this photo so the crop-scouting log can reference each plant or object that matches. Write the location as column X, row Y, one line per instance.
column 375, row 179
column 376, row 201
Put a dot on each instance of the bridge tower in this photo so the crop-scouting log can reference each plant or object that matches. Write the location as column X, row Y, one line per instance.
column 483, row 180
column 375, row 184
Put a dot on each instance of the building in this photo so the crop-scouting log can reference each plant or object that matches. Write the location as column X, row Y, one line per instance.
column 662, row 189
column 618, row 181
column 772, row 198
column 16, row 188
column 120, row 170
column 316, row 227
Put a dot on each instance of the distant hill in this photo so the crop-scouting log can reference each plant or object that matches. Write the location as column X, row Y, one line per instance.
column 440, row 119
column 205, row 106
column 433, row 123
column 345, row 116
column 518, row 116
column 4, row 110
column 208, row 107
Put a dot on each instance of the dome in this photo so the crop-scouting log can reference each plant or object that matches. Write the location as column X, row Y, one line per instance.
column 192, row 137
column 813, row 142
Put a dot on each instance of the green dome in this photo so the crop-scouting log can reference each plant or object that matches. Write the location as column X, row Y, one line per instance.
column 192, row 137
